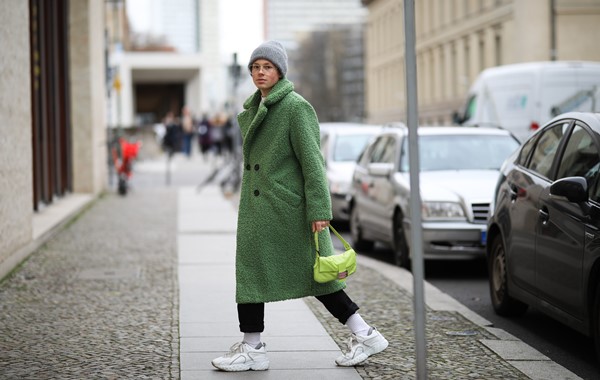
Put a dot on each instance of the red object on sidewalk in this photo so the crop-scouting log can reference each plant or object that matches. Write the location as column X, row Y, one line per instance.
column 122, row 159
column 129, row 152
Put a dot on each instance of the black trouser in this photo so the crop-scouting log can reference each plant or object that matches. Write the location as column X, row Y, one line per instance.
column 252, row 315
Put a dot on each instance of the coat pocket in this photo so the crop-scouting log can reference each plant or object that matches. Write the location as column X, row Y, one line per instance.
column 286, row 195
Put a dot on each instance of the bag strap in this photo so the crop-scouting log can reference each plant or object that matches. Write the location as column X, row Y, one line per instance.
column 347, row 246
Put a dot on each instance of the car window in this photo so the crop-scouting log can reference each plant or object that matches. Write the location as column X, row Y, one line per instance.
column 470, row 108
column 580, row 158
column 524, row 154
column 545, row 149
column 460, row 152
column 465, row 152
column 389, row 151
column 378, row 151
column 348, row 147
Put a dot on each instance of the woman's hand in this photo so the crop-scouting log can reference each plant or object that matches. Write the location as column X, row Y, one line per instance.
column 319, row 225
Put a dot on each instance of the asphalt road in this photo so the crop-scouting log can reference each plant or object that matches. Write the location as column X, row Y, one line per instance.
column 467, row 282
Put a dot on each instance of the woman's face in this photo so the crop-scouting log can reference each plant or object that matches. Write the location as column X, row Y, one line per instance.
column 264, row 75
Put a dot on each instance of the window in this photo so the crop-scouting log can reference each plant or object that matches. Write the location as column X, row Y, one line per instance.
column 524, row 154
column 348, row 147
column 581, row 158
column 545, row 149
column 380, row 152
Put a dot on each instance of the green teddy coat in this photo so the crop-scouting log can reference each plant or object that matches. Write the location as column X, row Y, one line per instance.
column 284, row 189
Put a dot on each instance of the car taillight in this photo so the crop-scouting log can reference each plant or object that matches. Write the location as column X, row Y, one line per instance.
column 534, row 126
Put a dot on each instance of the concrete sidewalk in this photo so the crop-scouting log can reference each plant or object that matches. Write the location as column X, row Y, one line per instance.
column 298, row 345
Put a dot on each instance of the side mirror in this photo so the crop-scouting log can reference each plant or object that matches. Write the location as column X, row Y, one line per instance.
column 456, row 118
column 380, row 169
column 575, row 189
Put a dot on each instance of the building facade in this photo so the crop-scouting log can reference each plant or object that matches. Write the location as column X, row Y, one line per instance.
column 173, row 63
column 52, row 110
column 457, row 39
column 324, row 42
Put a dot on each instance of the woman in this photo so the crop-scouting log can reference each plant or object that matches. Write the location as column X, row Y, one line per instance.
column 284, row 199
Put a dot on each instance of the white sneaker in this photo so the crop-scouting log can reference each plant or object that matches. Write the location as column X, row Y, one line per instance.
column 243, row 357
column 361, row 347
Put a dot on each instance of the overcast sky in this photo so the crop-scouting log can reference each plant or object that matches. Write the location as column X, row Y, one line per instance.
column 240, row 26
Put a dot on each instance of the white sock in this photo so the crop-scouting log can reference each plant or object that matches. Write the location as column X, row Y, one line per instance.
column 358, row 325
column 252, row 339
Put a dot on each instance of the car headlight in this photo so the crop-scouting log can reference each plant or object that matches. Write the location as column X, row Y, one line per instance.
column 442, row 210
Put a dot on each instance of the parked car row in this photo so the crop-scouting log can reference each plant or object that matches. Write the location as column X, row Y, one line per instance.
column 531, row 209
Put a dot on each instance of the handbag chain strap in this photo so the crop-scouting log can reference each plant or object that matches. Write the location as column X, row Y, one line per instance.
column 347, row 246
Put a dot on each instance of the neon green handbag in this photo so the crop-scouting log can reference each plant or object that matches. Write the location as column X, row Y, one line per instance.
column 334, row 267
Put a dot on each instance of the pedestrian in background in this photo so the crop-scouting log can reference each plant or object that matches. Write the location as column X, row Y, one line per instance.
column 187, row 126
column 172, row 139
column 284, row 199
column 204, row 141
column 217, row 134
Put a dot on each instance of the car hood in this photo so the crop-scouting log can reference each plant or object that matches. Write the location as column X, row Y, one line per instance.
column 340, row 171
column 456, row 185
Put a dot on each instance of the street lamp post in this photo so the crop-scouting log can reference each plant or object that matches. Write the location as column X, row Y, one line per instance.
column 235, row 70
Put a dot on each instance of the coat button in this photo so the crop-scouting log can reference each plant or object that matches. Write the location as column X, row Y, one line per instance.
column 256, row 167
column 248, row 167
column 256, row 193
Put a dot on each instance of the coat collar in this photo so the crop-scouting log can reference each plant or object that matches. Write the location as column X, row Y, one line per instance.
column 278, row 92
column 255, row 112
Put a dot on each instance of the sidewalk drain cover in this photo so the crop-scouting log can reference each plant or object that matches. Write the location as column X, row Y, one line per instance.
column 109, row 273
column 462, row 333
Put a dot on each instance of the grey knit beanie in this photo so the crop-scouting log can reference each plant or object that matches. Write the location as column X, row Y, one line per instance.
column 272, row 51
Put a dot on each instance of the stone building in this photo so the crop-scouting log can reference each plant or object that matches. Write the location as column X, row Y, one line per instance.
column 457, row 39
column 52, row 118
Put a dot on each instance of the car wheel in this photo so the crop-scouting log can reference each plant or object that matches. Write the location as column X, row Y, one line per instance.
column 596, row 322
column 355, row 232
column 502, row 302
column 401, row 256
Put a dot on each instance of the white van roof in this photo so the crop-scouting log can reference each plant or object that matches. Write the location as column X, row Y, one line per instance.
column 541, row 65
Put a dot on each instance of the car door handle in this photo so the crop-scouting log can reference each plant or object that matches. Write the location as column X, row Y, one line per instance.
column 544, row 215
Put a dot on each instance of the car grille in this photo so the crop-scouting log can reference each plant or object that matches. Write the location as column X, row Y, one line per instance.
column 481, row 212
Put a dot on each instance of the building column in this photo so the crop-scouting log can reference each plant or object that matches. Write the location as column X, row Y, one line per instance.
column 462, row 77
column 88, row 95
column 438, row 77
column 474, row 67
column 449, row 72
column 489, row 47
column 16, row 166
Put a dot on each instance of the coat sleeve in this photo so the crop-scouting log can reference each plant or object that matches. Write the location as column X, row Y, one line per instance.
column 305, row 138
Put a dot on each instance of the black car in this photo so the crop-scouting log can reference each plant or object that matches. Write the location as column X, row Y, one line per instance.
column 543, row 244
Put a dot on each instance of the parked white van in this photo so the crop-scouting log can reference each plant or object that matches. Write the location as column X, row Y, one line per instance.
column 523, row 97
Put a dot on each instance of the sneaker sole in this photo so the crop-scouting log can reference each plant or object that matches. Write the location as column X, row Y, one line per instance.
column 364, row 356
column 263, row 366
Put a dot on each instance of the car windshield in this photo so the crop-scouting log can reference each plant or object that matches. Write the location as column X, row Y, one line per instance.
column 462, row 152
column 348, row 147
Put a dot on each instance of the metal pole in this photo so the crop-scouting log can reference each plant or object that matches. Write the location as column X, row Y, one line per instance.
column 415, row 200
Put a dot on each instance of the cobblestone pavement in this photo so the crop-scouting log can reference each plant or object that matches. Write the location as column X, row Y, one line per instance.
column 453, row 348
column 99, row 300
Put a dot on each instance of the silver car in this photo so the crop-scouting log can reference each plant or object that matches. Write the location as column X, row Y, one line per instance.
column 459, row 171
column 341, row 144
